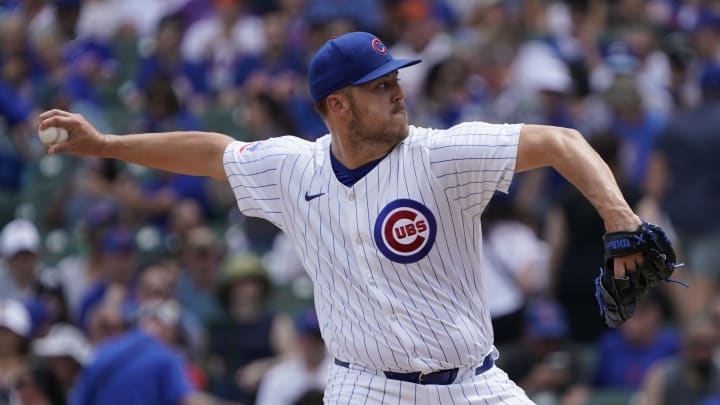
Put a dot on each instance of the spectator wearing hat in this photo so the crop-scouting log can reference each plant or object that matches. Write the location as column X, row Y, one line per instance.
column 20, row 248
column 65, row 351
column 21, row 276
column 200, row 259
column 250, row 338
column 117, row 264
column 306, row 370
column 15, row 329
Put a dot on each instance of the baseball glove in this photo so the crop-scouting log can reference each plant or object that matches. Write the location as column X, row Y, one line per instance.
column 617, row 297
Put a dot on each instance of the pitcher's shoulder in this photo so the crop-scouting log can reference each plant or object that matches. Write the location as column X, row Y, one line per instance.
column 418, row 136
column 281, row 145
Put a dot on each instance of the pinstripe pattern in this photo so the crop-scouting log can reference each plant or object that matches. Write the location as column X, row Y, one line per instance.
column 377, row 310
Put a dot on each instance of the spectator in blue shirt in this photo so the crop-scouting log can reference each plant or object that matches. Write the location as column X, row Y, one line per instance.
column 626, row 354
column 138, row 367
column 638, row 127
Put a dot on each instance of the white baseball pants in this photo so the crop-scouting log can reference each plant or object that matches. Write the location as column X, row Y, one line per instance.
column 356, row 385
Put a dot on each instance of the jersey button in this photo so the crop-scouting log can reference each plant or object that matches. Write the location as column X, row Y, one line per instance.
column 371, row 282
column 351, row 197
column 358, row 240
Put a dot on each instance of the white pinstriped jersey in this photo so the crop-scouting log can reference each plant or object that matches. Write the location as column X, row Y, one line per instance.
column 395, row 259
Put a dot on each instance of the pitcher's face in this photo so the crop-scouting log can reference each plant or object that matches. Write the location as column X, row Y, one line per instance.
column 378, row 110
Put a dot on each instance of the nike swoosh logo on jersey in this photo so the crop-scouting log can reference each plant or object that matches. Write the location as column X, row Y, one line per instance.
column 309, row 197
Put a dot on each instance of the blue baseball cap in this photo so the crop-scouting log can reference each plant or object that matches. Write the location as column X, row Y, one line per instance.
column 546, row 319
column 117, row 240
column 353, row 58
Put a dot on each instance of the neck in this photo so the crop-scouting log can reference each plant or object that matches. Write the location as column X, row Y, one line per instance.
column 355, row 154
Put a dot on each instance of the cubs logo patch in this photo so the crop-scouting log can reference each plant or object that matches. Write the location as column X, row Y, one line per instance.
column 405, row 231
column 379, row 47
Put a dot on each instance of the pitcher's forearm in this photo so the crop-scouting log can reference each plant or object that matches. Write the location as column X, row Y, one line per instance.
column 595, row 180
column 568, row 152
column 192, row 153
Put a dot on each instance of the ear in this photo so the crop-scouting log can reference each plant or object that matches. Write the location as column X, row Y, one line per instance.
column 337, row 103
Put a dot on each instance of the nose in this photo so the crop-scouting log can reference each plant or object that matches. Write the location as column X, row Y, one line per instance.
column 398, row 94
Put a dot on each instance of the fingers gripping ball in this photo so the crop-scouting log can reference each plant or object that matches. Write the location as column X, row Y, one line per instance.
column 617, row 297
column 53, row 135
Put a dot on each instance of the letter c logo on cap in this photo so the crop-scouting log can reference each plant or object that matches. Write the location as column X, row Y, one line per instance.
column 379, row 47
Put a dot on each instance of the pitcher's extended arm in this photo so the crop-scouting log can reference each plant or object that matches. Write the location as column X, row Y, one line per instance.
column 194, row 153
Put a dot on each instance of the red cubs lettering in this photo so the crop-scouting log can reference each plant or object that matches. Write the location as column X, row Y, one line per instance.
column 393, row 234
column 410, row 229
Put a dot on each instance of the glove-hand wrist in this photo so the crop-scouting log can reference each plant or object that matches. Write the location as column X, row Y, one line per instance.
column 621, row 220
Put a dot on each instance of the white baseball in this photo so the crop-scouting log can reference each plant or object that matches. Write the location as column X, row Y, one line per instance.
column 53, row 135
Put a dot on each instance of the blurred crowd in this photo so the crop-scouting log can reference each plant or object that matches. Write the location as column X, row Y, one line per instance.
column 119, row 283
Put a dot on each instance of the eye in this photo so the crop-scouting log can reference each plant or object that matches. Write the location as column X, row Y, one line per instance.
column 387, row 83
